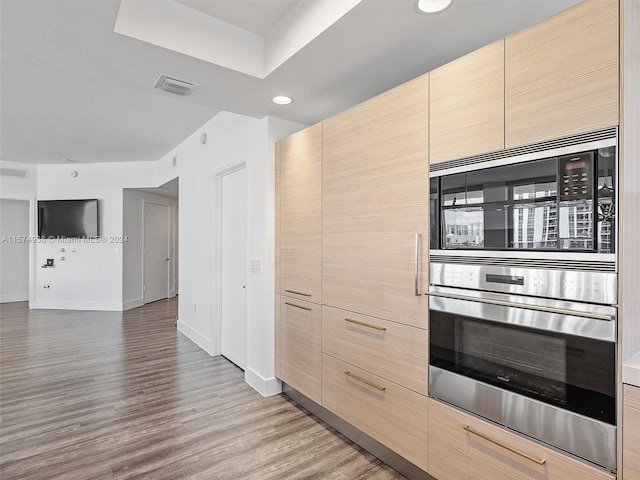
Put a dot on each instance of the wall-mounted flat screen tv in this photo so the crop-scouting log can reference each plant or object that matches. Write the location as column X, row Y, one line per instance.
column 68, row 218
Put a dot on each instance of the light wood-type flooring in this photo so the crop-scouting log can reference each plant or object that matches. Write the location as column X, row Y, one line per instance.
column 101, row 395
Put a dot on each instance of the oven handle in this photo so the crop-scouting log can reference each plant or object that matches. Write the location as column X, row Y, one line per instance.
column 540, row 308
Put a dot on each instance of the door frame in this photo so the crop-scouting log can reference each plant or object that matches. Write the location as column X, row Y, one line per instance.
column 144, row 255
column 216, row 327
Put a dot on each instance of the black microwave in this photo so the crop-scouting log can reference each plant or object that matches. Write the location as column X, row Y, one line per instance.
column 556, row 202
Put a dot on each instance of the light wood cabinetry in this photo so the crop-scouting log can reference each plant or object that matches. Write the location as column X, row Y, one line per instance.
column 300, row 340
column 389, row 413
column 300, row 194
column 466, row 103
column 631, row 433
column 462, row 446
column 375, row 204
column 561, row 75
column 391, row 350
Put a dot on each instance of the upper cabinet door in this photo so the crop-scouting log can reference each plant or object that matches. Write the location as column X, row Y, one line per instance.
column 561, row 75
column 467, row 105
column 374, row 209
column 300, row 182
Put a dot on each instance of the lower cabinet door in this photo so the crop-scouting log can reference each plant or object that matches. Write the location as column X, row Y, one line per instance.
column 631, row 433
column 387, row 412
column 300, row 339
column 462, row 446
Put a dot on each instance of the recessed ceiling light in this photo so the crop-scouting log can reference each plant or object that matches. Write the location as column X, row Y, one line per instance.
column 281, row 100
column 432, row 6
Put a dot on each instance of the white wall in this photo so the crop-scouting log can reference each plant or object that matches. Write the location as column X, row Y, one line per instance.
column 90, row 276
column 132, row 251
column 14, row 250
column 231, row 139
column 94, row 277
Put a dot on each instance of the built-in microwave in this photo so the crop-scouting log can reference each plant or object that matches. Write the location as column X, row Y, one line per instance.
column 561, row 199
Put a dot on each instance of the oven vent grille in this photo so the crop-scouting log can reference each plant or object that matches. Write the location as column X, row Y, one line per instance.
column 606, row 134
column 580, row 265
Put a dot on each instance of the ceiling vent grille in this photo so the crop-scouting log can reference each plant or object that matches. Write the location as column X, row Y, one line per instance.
column 14, row 172
column 174, row 85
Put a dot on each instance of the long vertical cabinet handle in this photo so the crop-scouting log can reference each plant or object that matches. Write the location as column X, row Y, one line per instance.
column 416, row 267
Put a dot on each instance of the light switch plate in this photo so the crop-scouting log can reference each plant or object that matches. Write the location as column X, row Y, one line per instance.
column 256, row 265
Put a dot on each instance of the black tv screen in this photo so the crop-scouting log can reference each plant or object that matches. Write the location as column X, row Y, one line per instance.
column 68, row 218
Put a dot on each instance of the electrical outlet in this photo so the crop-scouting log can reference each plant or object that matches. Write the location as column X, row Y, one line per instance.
column 47, row 285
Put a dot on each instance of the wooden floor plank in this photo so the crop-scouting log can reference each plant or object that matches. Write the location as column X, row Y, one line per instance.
column 123, row 395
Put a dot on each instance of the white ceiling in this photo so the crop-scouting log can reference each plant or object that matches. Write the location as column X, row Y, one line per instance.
column 73, row 88
column 257, row 16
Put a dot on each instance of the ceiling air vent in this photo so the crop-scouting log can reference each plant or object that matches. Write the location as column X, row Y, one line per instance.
column 14, row 172
column 174, row 85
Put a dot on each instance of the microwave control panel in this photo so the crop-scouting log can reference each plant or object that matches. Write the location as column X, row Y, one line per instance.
column 576, row 176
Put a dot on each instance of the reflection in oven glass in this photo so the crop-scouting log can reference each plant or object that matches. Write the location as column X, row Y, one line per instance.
column 535, row 225
column 575, row 225
column 464, row 227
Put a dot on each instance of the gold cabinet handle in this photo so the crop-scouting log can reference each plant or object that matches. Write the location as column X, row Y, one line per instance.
column 517, row 452
column 297, row 306
column 365, row 381
column 298, row 293
column 358, row 322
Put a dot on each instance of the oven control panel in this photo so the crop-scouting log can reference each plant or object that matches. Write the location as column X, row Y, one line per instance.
column 575, row 176
column 584, row 286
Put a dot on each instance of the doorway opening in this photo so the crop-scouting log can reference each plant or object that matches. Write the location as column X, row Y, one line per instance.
column 14, row 250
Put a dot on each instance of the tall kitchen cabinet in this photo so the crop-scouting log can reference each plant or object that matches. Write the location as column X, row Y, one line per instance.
column 374, row 248
column 298, row 257
column 561, row 75
column 374, row 206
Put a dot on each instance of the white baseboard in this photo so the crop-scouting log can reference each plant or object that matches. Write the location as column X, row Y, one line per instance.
column 72, row 305
column 200, row 340
column 14, row 297
column 138, row 302
column 264, row 386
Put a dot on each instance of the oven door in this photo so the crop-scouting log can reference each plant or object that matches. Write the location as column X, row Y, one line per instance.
column 543, row 370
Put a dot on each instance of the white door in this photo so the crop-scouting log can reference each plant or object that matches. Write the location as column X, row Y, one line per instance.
column 156, row 252
column 234, row 268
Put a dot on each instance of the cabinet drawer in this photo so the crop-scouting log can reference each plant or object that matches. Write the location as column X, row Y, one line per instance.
column 300, row 354
column 391, row 350
column 389, row 413
column 463, row 446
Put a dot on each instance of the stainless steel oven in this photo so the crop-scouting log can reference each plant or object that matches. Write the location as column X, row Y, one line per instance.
column 523, row 291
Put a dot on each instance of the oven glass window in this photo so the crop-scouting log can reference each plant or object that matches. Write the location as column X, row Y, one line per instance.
column 567, row 371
